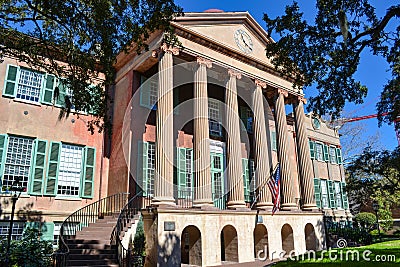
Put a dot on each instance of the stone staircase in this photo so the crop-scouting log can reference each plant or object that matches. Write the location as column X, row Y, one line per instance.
column 91, row 246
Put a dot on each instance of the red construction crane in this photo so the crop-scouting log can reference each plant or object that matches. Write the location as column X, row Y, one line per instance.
column 339, row 123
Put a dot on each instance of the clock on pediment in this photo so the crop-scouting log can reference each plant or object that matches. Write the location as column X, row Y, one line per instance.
column 243, row 41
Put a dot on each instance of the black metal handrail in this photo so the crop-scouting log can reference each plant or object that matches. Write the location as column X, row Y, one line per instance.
column 128, row 213
column 81, row 218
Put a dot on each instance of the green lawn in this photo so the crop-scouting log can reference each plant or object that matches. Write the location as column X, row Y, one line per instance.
column 390, row 251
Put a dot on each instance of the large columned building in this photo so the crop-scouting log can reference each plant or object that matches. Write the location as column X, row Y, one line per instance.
column 200, row 127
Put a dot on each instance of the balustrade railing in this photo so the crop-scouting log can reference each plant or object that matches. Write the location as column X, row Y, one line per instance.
column 125, row 218
column 107, row 206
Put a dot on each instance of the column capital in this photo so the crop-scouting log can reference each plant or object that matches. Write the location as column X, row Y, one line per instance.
column 260, row 83
column 170, row 49
column 166, row 49
column 204, row 61
column 284, row 92
column 234, row 73
column 302, row 99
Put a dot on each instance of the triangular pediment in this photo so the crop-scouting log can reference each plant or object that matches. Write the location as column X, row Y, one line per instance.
column 237, row 31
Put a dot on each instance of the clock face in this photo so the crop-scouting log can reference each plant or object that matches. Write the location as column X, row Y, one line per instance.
column 243, row 41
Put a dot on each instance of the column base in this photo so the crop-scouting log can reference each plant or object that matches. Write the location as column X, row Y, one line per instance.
column 200, row 203
column 265, row 206
column 289, row 206
column 235, row 205
column 311, row 206
column 163, row 201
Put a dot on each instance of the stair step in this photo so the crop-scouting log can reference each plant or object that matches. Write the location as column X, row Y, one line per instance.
column 91, row 257
column 91, row 251
column 91, row 262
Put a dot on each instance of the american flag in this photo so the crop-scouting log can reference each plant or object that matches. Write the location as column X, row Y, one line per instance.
column 274, row 185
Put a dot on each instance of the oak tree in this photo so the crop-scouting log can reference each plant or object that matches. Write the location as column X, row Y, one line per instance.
column 86, row 36
column 326, row 52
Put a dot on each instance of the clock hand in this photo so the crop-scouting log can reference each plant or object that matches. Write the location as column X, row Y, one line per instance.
column 245, row 42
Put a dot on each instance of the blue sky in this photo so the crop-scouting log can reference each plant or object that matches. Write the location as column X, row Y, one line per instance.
column 373, row 70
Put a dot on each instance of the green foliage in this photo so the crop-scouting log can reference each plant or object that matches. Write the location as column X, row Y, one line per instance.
column 327, row 52
column 29, row 251
column 355, row 234
column 87, row 36
column 139, row 244
column 375, row 175
column 366, row 220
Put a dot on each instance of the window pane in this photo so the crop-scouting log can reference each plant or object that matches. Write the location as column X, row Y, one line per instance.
column 18, row 161
column 338, row 195
column 324, row 194
column 151, row 161
column 214, row 117
column 29, row 85
column 320, row 152
column 69, row 176
column 332, row 154
column 18, row 228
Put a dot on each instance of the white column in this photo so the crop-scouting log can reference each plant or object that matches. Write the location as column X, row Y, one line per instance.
column 201, row 144
column 234, row 155
column 164, row 161
column 261, row 157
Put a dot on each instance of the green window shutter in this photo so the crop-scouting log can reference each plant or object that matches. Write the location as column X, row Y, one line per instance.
column 273, row 141
column 48, row 90
column 331, row 193
column 88, row 172
column 326, row 153
column 181, row 171
column 312, row 149
column 11, row 81
column 145, row 93
column 39, row 164
column 47, row 231
column 246, row 179
column 339, row 156
column 3, row 145
column 52, row 169
column 317, row 192
column 62, row 91
column 345, row 200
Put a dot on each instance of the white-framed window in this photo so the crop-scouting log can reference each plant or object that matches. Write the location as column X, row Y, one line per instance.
column 17, row 230
column 29, row 85
column 189, row 171
column 151, row 165
column 69, row 176
column 324, row 194
column 214, row 116
column 56, row 234
column 17, row 161
column 319, row 151
column 153, row 92
column 332, row 155
column 338, row 195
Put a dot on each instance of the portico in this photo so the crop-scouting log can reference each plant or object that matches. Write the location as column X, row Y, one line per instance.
column 204, row 132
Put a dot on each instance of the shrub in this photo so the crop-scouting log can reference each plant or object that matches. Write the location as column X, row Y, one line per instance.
column 28, row 251
column 139, row 244
column 366, row 220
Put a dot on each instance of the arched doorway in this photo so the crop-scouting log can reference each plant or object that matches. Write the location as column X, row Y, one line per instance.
column 191, row 250
column 260, row 235
column 311, row 240
column 229, row 244
column 287, row 239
